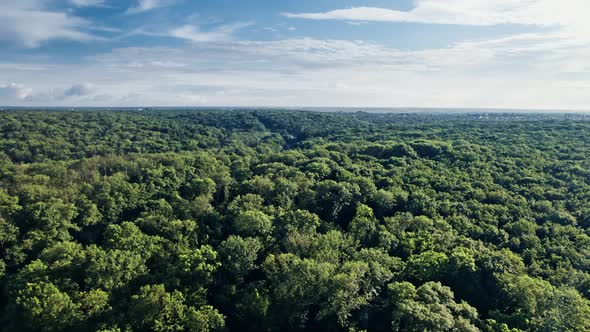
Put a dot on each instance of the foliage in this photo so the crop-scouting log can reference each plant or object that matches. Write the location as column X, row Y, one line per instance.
column 264, row 220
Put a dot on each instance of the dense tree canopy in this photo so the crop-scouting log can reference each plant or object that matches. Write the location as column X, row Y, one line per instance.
column 268, row 220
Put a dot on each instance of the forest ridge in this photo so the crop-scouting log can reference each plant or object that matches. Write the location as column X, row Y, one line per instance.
column 264, row 220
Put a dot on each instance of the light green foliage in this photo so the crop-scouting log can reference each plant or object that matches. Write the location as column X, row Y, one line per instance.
column 52, row 221
column 545, row 307
column 348, row 292
column 427, row 265
column 8, row 205
column 253, row 223
column 300, row 221
column 382, row 267
column 238, row 255
column 430, row 307
column 155, row 309
column 363, row 226
column 45, row 306
column 9, row 242
column 127, row 236
column 113, row 268
column 387, row 202
column 88, row 213
column 204, row 319
column 297, row 278
column 199, row 264
column 94, row 302
column 331, row 199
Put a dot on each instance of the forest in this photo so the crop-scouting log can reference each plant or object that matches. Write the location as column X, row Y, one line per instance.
column 277, row 220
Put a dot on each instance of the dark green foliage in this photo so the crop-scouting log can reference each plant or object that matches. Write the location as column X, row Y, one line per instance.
column 253, row 220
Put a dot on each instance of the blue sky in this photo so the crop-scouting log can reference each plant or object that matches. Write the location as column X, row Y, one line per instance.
column 423, row 53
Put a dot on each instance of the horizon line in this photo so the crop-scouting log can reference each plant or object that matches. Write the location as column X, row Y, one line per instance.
column 384, row 109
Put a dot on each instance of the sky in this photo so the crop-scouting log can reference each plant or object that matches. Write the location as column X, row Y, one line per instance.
column 526, row 54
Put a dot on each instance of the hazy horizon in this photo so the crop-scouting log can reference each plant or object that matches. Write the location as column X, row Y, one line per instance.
column 344, row 109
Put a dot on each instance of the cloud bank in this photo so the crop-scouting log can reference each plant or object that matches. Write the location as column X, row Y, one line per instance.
column 467, row 12
column 316, row 72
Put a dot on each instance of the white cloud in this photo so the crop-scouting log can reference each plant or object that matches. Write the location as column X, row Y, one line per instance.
column 22, row 66
column 13, row 92
column 147, row 5
column 567, row 14
column 20, row 94
column 79, row 90
column 192, row 32
column 196, row 34
column 87, row 3
column 29, row 24
column 561, row 43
